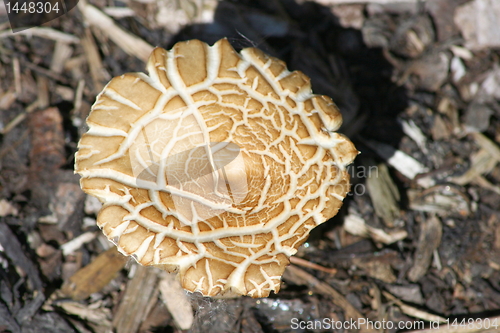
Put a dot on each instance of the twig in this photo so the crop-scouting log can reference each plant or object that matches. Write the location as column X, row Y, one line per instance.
column 94, row 60
column 16, row 68
column 298, row 275
column 305, row 263
column 413, row 312
column 14, row 122
column 78, row 95
column 46, row 72
column 129, row 43
column 43, row 32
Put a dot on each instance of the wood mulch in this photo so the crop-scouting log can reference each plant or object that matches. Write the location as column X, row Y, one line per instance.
column 417, row 241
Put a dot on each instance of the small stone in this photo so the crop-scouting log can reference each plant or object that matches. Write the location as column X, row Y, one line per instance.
column 478, row 22
column 477, row 117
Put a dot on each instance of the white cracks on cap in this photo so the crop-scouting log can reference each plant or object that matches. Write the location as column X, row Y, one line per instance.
column 215, row 164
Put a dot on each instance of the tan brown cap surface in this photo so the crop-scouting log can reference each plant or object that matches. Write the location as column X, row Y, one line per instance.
column 216, row 165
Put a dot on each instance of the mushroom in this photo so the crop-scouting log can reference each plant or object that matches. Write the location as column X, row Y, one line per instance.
column 216, row 165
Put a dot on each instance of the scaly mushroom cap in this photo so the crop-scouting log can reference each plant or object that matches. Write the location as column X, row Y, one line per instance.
column 216, row 165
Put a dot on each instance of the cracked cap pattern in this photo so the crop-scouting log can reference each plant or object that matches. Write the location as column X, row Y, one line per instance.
column 216, row 165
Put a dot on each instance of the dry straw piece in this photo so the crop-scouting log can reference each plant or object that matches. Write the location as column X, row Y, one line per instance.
column 216, row 165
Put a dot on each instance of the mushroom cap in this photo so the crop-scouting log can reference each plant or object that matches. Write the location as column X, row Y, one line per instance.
column 216, row 165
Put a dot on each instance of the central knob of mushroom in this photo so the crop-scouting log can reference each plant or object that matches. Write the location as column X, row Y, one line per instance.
column 216, row 165
column 202, row 179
